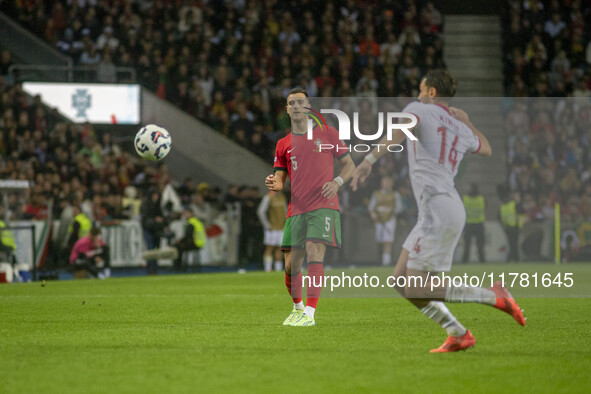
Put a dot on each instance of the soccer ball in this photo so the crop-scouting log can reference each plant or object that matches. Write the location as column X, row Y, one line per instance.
column 152, row 142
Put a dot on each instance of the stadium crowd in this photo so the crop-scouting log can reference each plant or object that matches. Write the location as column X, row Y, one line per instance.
column 227, row 63
column 230, row 63
column 549, row 157
column 547, row 48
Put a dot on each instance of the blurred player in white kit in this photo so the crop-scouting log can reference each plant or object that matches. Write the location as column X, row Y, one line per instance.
column 444, row 135
column 383, row 207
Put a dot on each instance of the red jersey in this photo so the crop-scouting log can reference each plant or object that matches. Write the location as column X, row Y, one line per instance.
column 310, row 164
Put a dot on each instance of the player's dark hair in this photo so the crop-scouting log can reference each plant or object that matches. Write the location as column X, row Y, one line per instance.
column 296, row 91
column 442, row 81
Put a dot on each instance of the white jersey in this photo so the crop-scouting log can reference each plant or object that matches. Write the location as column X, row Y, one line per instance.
column 435, row 158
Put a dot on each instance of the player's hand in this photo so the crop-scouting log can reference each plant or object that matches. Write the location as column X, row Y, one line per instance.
column 330, row 189
column 459, row 114
column 271, row 182
column 361, row 173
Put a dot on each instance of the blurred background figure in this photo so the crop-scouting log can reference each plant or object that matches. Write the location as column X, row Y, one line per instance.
column 272, row 213
column 511, row 222
column 153, row 226
column 193, row 239
column 91, row 253
column 383, row 207
column 570, row 245
column 79, row 227
column 475, row 206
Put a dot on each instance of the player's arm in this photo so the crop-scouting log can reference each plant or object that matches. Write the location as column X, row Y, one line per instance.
column 364, row 168
column 330, row 189
column 348, row 168
column 485, row 149
column 276, row 181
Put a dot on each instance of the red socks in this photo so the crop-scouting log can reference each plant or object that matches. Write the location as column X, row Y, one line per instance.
column 315, row 284
column 316, row 274
column 294, row 286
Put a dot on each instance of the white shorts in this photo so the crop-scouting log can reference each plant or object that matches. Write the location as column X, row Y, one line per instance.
column 273, row 237
column 385, row 231
column 433, row 240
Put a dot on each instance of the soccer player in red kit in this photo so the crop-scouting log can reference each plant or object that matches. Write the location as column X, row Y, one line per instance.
column 313, row 218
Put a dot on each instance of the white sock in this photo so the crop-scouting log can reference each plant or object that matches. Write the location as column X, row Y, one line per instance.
column 386, row 258
column 268, row 263
column 438, row 312
column 470, row 294
column 107, row 272
column 279, row 265
column 309, row 311
column 299, row 306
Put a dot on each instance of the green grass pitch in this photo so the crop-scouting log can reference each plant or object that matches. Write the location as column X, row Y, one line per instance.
column 222, row 333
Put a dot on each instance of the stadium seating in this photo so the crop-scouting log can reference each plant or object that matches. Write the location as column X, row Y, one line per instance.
column 231, row 63
column 547, row 49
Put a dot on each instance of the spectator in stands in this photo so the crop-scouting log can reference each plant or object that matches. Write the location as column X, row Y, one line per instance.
column 570, row 184
column 189, row 16
column 5, row 62
column 69, row 46
column 114, row 207
column 259, row 145
column 36, row 209
column 99, row 213
column 90, row 58
column 243, row 120
column 554, row 26
column 390, row 49
column 106, row 71
column 232, row 194
column 107, row 40
column 186, row 190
